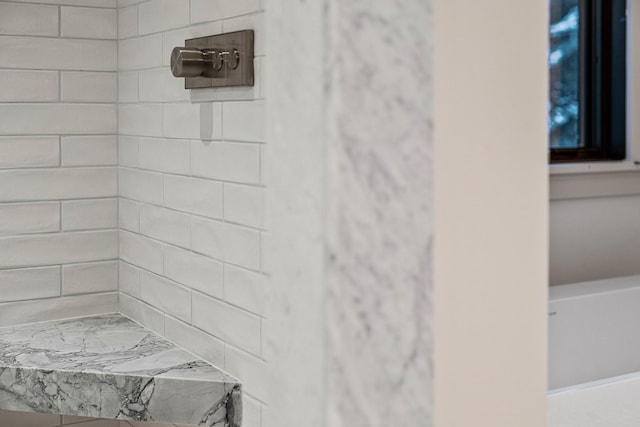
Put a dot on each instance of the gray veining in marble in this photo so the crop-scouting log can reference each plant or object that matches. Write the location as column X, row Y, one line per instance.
column 108, row 366
column 380, row 215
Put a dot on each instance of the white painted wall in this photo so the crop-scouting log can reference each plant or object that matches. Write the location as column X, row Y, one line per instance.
column 491, row 206
column 594, row 238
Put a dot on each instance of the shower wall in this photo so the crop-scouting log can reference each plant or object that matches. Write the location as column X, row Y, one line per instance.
column 191, row 190
column 58, row 156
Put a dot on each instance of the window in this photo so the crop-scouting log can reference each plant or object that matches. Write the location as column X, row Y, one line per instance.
column 587, row 67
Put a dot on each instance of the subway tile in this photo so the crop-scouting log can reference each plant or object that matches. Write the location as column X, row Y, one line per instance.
column 141, row 251
column 47, row 119
column 193, row 195
column 90, row 278
column 99, row 150
column 237, row 245
column 94, row 86
column 29, row 151
column 196, row 121
column 140, row 185
column 54, row 184
column 128, row 151
column 89, row 22
column 224, row 161
column 244, row 121
column 29, row 283
column 128, row 86
column 161, row 15
column 29, row 218
column 96, row 3
column 165, row 155
column 227, row 322
column 58, row 54
column 89, row 214
column 28, row 19
column 196, row 271
column 13, row 313
column 171, row 39
column 143, row 313
column 159, row 85
column 129, row 279
column 251, row 370
column 129, row 215
column 165, row 225
column 246, row 289
column 49, row 249
column 212, row 10
column 204, row 345
column 165, row 295
column 127, row 22
column 140, row 119
column 140, row 52
column 244, row 204
column 28, row 86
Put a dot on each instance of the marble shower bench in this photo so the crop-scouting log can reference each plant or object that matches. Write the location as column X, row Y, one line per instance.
column 108, row 366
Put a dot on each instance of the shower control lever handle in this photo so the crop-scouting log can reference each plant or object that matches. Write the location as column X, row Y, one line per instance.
column 187, row 62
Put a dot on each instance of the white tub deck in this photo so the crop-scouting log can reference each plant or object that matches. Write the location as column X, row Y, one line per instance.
column 614, row 402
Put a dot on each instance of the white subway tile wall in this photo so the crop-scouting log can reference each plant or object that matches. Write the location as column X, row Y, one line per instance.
column 58, row 159
column 121, row 190
column 191, row 211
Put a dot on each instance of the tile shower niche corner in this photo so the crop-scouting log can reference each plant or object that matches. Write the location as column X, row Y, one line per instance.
column 108, row 366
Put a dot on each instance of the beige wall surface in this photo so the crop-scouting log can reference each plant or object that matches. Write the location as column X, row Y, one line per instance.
column 491, row 207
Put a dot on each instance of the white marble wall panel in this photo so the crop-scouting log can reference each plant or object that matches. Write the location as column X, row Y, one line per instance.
column 380, row 169
column 349, row 213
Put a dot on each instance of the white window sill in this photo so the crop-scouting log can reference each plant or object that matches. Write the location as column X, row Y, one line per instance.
column 588, row 180
column 595, row 167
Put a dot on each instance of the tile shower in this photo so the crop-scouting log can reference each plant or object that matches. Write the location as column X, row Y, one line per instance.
column 121, row 190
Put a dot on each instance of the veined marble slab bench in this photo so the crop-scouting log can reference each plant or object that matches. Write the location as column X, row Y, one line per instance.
column 109, row 366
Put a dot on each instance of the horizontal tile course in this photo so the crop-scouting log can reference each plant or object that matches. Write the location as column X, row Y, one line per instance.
column 55, row 184
column 29, row 283
column 227, row 322
column 29, row 151
column 28, row 19
column 47, row 119
column 29, row 86
column 166, row 295
column 162, row 15
column 89, row 22
column 196, row 271
column 51, row 249
column 90, row 214
column 80, row 86
column 58, row 53
column 90, row 150
column 165, row 225
column 29, row 218
column 90, row 278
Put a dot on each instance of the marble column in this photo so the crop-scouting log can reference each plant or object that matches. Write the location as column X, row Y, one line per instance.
column 349, row 171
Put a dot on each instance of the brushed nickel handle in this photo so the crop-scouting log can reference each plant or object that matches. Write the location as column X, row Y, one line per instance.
column 187, row 62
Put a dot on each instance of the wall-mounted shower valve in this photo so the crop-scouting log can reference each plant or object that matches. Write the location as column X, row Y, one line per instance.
column 215, row 61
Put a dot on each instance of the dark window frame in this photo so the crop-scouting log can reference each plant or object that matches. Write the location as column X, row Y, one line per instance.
column 603, row 84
